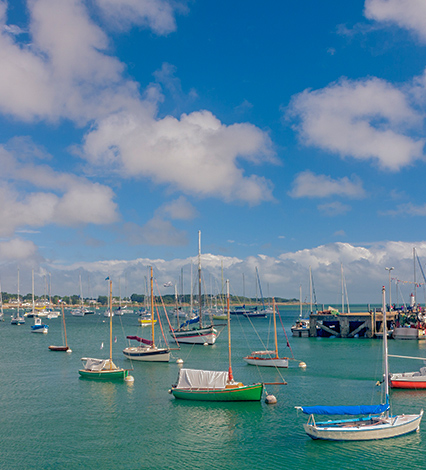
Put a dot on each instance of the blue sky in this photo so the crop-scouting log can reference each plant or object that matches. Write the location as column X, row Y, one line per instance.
column 290, row 133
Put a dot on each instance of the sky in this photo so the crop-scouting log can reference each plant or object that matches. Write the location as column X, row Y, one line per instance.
column 290, row 133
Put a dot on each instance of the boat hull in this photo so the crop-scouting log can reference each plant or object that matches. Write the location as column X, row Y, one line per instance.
column 147, row 354
column 244, row 393
column 267, row 361
column 359, row 430
column 114, row 374
column 58, row 348
column 409, row 333
column 408, row 380
column 196, row 336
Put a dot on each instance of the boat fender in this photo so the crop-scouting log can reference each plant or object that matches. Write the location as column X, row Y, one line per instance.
column 69, row 350
column 129, row 379
column 170, row 390
column 179, row 361
column 302, row 365
column 270, row 399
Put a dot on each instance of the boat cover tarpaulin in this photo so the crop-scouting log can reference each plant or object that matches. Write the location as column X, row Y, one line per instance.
column 190, row 321
column 141, row 340
column 194, row 379
column 345, row 410
column 98, row 364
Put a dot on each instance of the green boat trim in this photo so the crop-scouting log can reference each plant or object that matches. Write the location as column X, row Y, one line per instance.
column 113, row 374
column 239, row 393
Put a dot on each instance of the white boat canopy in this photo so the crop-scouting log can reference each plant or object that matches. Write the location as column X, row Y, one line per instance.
column 198, row 379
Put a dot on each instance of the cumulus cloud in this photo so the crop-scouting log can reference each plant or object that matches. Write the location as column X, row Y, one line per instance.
column 50, row 197
column 158, row 15
column 179, row 209
column 17, row 250
column 308, row 184
column 366, row 120
column 195, row 154
column 407, row 14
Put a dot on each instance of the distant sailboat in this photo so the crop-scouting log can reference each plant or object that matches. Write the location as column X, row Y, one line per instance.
column 17, row 320
column 64, row 332
column 198, row 334
column 149, row 352
column 103, row 369
column 268, row 358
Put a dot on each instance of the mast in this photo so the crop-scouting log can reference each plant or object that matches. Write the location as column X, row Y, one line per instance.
column 1, row 302
column 110, row 323
column 18, row 294
column 300, row 301
column 415, row 287
column 32, row 296
column 275, row 328
column 152, row 308
column 343, row 296
column 385, row 348
column 230, row 376
column 177, row 310
column 199, row 279
column 310, row 287
column 63, row 322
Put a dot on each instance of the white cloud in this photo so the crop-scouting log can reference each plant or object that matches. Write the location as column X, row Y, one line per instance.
column 367, row 120
column 408, row 209
column 195, row 154
column 179, row 209
column 334, row 209
column 156, row 14
column 308, row 184
column 407, row 14
column 17, row 250
column 155, row 232
column 50, row 198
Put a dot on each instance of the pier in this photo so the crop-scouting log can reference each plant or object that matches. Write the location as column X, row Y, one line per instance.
column 349, row 325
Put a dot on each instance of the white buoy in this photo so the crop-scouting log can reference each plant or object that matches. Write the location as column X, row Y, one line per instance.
column 69, row 351
column 302, row 365
column 179, row 361
column 129, row 378
column 205, row 344
column 270, row 399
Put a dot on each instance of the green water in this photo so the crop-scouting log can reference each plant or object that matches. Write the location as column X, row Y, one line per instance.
column 52, row 419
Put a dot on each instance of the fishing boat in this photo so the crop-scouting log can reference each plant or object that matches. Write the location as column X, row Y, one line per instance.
column 64, row 332
column 17, row 320
column 268, row 358
column 39, row 327
column 192, row 331
column 103, row 369
column 208, row 385
column 149, row 352
column 373, row 422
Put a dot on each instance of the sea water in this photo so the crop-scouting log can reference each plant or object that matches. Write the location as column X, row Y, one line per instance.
column 52, row 419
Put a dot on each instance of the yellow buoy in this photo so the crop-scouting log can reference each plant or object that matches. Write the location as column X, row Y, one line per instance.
column 302, row 365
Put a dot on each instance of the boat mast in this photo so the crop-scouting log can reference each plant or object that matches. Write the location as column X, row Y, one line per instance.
column 385, row 348
column 63, row 322
column 199, row 278
column 152, row 308
column 230, row 376
column 415, row 286
column 32, row 284
column 18, row 294
column 110, row 323
column 310, row 286
column 275, row 328
column 300, row 301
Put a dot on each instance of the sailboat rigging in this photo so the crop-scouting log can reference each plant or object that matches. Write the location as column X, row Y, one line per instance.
column 207, row 385
column 104, row 369
column 198, row 334
column 149, row 352
column 377, row 424
column 64, row 330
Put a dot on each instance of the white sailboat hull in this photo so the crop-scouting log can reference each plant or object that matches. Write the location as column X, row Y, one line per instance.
column 196, row 336
column 267, row 361
column 358, row 430
column 147, row 354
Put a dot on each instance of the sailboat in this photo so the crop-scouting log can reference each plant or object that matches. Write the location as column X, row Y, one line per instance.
column 1, row 305
column 268, row 358
column 64, row 331
column 208, row 385
column 199, row 334
column 18, row 320
column 377, row 423
column 149, row 352
column 103, row 369
column 79, row 311
column 39, row 327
